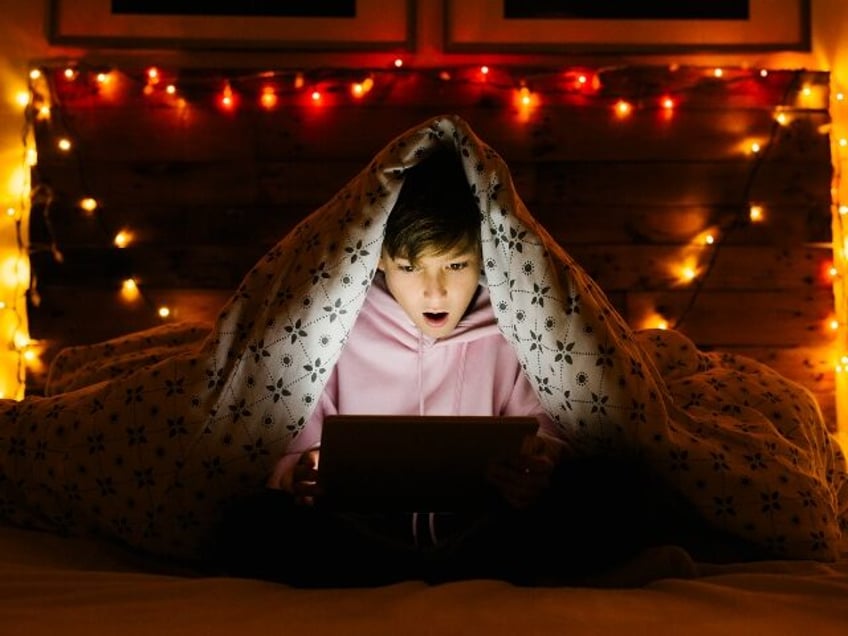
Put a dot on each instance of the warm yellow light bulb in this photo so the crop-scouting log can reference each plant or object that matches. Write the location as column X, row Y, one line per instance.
column 171, row 89
column 623, row 108
column 88, row 204
column 756, row 213
column 11, row 212
column 22, row 98
column 755, row 147
column 102, row 78
column 719, row 72
column 164, row 312
column 834, row 324
column 64, row 144
column 44, row 112
column 35, row 74
column 31, row 157
column 268, row 99
column 129, row 290
column 70, row 73
column 123, row 238
column 20, row 340
column 843, row 209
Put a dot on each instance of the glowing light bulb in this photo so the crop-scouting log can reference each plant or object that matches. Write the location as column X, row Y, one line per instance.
column 834, row 324
column 31, row 157
column 70, row 74
column 299, row 81
column 832, row 271
column 755, row 147
column 152, row 75
column 268, row 99
column 782, row 118
column 64, row 144
column 35, row 74
column 843, row 209
column 709, row 239
column 129, row 290
column 11, row 212
column 88, row 204
column 44, row 112
column 755, row 213
column 22, row 98
column 667, row 103
column 123, row 238
column 171, row 89
column 358, row 89
column 398, row 62
column 718, row 72
column 764, row 72
column 164, row 311
column 840, row 97
column 227, row 100
column 316, row 96
column 623, row 108
column 484, row 70
column 102, row 78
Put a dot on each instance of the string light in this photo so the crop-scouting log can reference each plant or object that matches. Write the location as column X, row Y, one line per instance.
column 578, row 86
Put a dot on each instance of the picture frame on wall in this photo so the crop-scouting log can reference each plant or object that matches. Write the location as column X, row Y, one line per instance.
column 307, row 25
column 620, row 27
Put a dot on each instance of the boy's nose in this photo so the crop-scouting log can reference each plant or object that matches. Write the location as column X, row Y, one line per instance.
column 434, row 286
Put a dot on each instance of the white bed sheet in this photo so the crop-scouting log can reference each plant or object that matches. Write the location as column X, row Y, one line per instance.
column 52, row 585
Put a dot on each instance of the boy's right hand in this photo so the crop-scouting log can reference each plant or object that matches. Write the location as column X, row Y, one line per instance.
column 305, row 478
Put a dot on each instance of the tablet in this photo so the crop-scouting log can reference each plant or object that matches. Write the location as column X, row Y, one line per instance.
column 414, row 463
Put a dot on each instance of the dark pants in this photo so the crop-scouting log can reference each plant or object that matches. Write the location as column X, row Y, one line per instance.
column 597, row 514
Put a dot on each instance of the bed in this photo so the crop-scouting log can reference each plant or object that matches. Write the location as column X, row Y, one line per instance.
column 139, row 441
column 54, row 585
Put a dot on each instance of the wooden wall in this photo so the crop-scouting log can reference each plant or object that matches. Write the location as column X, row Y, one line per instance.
column 206, row 193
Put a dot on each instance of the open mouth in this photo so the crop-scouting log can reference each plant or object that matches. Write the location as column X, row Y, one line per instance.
column 436, row 318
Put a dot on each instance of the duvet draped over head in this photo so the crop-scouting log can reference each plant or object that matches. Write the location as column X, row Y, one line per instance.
column 145, row 437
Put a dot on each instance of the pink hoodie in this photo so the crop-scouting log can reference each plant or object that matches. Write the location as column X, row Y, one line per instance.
column 388, row 366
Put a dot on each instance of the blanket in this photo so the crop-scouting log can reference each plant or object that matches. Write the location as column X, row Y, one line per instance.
column 143, row 439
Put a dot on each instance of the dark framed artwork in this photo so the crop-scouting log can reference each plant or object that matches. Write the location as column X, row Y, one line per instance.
column 626, row 26
column 316, row 25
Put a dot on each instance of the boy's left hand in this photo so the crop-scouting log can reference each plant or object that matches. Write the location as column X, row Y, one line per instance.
column 523, row 478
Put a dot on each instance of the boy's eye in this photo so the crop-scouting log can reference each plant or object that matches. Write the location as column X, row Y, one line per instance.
column 406, row 267
column 455, row 267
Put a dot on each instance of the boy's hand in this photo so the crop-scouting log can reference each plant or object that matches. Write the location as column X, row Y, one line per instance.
column 523, row 478
column 305, row 478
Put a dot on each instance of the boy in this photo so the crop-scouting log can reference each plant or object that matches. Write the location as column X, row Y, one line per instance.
column 425, row 342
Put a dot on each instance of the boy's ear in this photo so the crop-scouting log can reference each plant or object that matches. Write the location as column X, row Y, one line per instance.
column 381, row 265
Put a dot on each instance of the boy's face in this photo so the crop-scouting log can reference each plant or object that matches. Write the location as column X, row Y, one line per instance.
column 436, row 291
